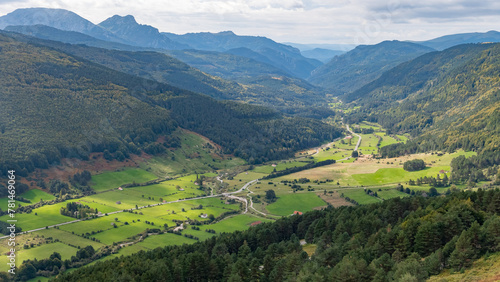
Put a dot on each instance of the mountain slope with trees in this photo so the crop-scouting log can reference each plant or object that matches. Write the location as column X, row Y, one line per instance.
column 452, row 97
column 348, row 72
column 284, row 57
column 59, row 106
column 271, row 89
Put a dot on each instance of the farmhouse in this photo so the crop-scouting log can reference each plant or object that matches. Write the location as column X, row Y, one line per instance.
column 297, row 213
column 348, row 137
column 204, row 215
column 120, row 188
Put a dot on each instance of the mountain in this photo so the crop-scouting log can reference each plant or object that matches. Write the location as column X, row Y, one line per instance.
column 274, row 89
column 448, row 41
column 58, row 105
column 281, row 56
column 348, row 72
column 57, row 18
column 320, row 54
column 73, row 37
column 138, row 34
column 448, row 99
column 306, row 47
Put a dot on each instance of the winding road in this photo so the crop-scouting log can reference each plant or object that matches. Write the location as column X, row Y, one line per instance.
column 228, row 194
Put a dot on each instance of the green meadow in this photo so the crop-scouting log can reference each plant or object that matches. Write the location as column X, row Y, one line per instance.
column 286, row 204
column 110, row 180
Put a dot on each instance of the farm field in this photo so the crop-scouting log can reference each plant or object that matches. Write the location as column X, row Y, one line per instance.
column 43, row 251
column 110, row 180
column 34, row 195
column 286, row 204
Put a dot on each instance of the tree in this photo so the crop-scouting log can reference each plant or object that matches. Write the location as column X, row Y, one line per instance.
column 355, row 154
column 270, row 196
column 414, row 165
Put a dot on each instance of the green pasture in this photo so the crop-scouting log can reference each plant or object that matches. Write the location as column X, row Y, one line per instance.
column 68, row 238
column 193, row 156
column 110, row 180
column 395, row 175
column 390, row 193
column 359, row 196
column 288, row 203
column 40, row 252
column 34, row 195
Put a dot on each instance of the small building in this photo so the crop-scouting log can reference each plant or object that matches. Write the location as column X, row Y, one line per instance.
column 204, row 215
column 118, row 202
column 348, row 137
column 181, row 189
column 273, row 165
column 297, row 213
column 255, row 223
column 120, row 188
column 196, row 183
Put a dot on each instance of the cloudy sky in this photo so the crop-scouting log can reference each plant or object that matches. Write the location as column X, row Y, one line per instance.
column 299, row 21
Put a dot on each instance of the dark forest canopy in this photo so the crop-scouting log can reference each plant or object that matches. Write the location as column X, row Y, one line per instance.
column 410, row 237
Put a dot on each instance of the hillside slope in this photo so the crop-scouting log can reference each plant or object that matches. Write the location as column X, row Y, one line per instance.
column 273, row 89
column 452, row 96
column 56, row 105
column 348, row 72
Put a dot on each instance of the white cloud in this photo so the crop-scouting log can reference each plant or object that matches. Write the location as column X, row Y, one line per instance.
column 306, row 21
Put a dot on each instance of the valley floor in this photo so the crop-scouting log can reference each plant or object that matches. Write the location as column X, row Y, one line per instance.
column 225, row 195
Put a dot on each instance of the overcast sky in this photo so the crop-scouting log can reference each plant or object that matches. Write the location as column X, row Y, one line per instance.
column 299, row 21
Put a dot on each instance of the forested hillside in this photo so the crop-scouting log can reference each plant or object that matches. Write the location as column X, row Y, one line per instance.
column 270, row 89
column 452, row 97
column 348, row 72
column 62, row 106
column 405, row 239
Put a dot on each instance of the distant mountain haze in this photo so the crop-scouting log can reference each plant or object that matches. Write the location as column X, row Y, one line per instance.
column 57, row 18
column 138, row 34
column 448, row 41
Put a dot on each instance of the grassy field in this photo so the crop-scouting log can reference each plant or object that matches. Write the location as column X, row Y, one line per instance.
column 34, row 195
column 359, row 196
column 195, row 155
column 43, row 251
column 390, row 193
column 68, row 238
column 288, row 203
column 267, row 169
column 110, row 180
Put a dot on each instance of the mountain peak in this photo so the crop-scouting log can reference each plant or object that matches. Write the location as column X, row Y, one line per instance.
column 227, row 32
column 128, row 19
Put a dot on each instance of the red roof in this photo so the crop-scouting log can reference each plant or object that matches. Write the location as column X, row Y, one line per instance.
column 297, row 212
column 255, row 223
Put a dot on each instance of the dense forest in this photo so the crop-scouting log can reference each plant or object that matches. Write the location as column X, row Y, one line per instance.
column 82, row 107
column 405, row 239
